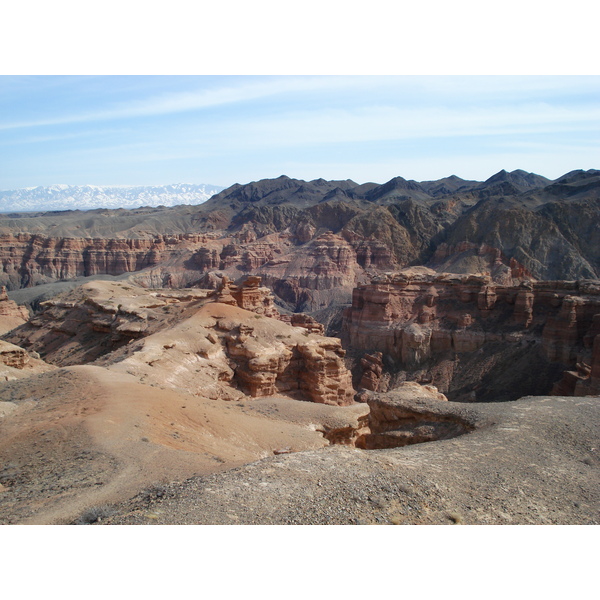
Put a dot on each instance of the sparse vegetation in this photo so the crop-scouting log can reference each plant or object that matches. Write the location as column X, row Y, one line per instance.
column 455, row 517
column 94, row 515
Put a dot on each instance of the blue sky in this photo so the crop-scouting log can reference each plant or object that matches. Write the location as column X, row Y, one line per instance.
column 225, row 129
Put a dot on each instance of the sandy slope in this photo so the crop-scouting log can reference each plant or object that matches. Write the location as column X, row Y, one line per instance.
column 84, row 436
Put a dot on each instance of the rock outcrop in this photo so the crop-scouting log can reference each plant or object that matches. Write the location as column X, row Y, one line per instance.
column 410, row 414
column 584, row 380
column 314, row 367
column 97, row 318
column 315, row 274
column 13, row 356
column 225, row 344
column 11, row 315
column 372, row 369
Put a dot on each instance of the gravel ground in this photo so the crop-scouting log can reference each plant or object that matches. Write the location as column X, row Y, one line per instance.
column 533, row 461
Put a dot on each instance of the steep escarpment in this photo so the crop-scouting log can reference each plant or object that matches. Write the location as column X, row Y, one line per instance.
column 28, row 259
column 470, row 337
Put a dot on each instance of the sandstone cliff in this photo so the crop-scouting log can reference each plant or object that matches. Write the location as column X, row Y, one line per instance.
column 28, row 259
column 11, row 315
column 462, row 333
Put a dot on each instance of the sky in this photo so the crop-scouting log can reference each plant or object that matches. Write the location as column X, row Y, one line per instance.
column 220, row 130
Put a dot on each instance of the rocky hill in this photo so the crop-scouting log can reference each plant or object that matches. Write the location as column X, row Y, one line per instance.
column 312, row 242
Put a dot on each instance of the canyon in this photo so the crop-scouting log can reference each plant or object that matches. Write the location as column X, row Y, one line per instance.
column 295, row 325
column 463, row 333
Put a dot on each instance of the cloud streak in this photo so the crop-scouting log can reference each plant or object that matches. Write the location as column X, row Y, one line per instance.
column 216, row 129
column 171, row 103
column 409, row 89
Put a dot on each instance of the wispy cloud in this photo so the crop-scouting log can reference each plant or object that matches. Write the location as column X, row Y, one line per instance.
column 419, row 90
column 387, row 123
column 177, row 102
column 247, row 128
column 498, row 127
column 59, row 137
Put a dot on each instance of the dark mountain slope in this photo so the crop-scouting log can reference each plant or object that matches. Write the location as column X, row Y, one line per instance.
column 548, row 227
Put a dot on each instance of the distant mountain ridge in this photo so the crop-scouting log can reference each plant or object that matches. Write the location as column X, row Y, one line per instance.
column 312, row 241
column 87, row 197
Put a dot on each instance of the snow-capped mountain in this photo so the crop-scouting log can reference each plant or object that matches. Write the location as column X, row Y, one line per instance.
column 86, row 197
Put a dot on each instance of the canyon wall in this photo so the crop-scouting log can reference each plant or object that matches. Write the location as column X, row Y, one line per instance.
column 438, row 327
column 29, row 259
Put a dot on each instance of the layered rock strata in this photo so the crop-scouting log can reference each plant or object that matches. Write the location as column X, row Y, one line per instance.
column 314, row 274
column 11, row 315
column 411, row 414
column 13, row 356
column 419, row 319
column 584, row 380
column 224, row 344
column 315, row 367
column 27, row 259
column 372, row 369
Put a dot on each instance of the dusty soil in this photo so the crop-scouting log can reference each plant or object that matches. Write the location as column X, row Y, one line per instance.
column 533, row 461
column 80, row 437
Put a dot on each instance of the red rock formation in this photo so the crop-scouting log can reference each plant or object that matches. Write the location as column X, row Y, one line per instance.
column 314, row 367
column 9, row 308
column 594, row 383
column 27, row 259
column 523, row 313
column 97, row 318
column 372, row 366
column 206, row 259
column 11, row 315
column 229, row 256
column 410, row 414
column 585, row 380
column 255, row 298
column 229, row 336
column 259, row 254
column 418, row 317
column 13, row 356
column 223, row 293
column 304, row 321
column 325, row 267
column 324, row 376
column 373, row 253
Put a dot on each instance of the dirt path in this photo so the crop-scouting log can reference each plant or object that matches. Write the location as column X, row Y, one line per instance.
column 80, row 438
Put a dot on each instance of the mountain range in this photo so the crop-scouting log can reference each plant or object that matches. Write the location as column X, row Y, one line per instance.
column 87, row 197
